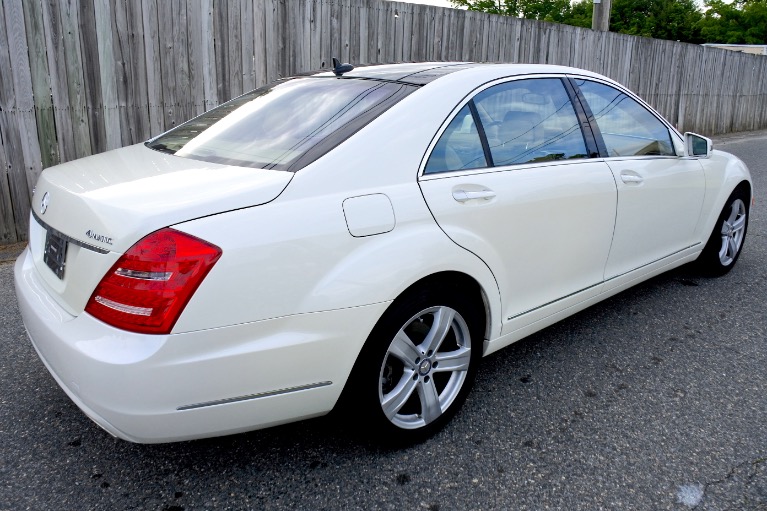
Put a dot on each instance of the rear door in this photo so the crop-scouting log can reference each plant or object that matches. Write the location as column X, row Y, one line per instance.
column 510, row 179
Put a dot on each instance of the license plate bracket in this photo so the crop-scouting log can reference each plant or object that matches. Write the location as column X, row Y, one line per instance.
column 55, row 255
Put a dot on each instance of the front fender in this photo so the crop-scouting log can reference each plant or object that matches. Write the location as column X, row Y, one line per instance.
column 723, row 172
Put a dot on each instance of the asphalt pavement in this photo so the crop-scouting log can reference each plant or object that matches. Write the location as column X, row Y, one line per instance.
column 653, row 399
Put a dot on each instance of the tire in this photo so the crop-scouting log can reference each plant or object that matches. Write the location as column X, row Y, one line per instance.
column 417, row 366
column 726, row 241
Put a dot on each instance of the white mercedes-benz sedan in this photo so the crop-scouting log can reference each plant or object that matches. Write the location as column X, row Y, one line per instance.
column 358, row 239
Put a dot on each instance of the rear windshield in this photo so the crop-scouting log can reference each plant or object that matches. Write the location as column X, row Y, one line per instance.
column 282, row 126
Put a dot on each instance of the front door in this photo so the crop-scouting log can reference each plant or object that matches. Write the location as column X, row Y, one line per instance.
column 660, row 194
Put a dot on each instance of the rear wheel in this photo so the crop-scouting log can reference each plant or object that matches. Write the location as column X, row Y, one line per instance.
column 418, row 364
column 726, row 241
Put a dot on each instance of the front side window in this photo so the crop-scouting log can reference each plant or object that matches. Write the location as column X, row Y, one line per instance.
column 283, row 126
column 627, row 127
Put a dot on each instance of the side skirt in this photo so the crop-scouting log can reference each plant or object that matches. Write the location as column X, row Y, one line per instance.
column 520, row 327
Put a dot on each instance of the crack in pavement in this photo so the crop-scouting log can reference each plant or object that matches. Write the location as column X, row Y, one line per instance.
column 689, row 497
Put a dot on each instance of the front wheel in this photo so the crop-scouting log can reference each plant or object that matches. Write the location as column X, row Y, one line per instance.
column 418, row 364
column 726, row 242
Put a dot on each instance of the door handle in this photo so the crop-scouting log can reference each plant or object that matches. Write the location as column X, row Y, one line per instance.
column 627, row 178
column 467, row 195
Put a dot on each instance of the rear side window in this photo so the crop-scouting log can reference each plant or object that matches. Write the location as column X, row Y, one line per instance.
column 627, row 127
column 283, row 126
column 459, row 148
column 522, row 121
column 530, row 121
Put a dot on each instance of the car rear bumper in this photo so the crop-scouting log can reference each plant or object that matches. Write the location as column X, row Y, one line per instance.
column 164, row 388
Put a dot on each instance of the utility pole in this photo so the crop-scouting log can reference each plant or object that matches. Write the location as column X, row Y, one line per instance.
column 600, row 19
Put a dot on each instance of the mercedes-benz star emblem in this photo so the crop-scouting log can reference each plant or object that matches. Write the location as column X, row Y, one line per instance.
column 44, row 203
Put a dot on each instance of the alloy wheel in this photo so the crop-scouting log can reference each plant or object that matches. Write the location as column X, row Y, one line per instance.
column 733, row 232
column 424, row 368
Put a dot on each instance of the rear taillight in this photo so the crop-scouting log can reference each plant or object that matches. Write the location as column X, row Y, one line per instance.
column 148, row 287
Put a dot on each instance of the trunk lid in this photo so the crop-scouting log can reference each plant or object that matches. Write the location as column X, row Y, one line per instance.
column 96, row 208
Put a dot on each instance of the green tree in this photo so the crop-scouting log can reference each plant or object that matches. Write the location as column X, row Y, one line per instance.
column 580, row 14
column 503, row 7
column 662, row 19
column 740, row 22
column 543, row 10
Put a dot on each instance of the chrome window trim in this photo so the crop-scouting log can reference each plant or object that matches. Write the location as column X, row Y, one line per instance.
column 505, row 168
column 471, row 95
column 641, row 157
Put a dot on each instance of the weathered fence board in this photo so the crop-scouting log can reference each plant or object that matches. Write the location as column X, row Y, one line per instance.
column 78, row 109
column 92, row 76
column 83, row 76
column 41, row 84
column 57, row 70
column 123, row 69
column 168, row 57
column 107, row 79
column 153, row 69
column 138, row 81
column 196, row 14
column 8, row 230
column 24, row 159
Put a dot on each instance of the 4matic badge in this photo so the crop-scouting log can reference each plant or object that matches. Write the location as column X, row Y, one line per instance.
column 98, row 237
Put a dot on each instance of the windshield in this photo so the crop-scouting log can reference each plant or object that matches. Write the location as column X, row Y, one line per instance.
column 283, row 126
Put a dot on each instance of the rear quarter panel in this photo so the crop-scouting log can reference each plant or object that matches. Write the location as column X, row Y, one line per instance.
column 295, row 255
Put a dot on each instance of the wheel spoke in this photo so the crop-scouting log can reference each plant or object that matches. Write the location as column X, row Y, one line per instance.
column 430, row 407
column 457, row 360
column 723, row 249
column 404, row 349
column 734, row 211
column 732, row 250
column 443, row 321
column 739, row 224
column 396, row 399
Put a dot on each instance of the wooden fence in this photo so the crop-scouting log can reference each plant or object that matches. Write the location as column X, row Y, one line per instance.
column 79, row 77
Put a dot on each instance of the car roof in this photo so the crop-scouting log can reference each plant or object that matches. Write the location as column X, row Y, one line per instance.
column 417, row 73
column 422, row 73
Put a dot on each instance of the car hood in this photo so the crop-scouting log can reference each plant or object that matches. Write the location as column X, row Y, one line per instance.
column 113, row 199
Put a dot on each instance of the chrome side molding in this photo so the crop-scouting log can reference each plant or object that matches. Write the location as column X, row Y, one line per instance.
column 250, row 397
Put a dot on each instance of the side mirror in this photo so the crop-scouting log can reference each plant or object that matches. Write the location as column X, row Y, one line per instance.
column 697, row 146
